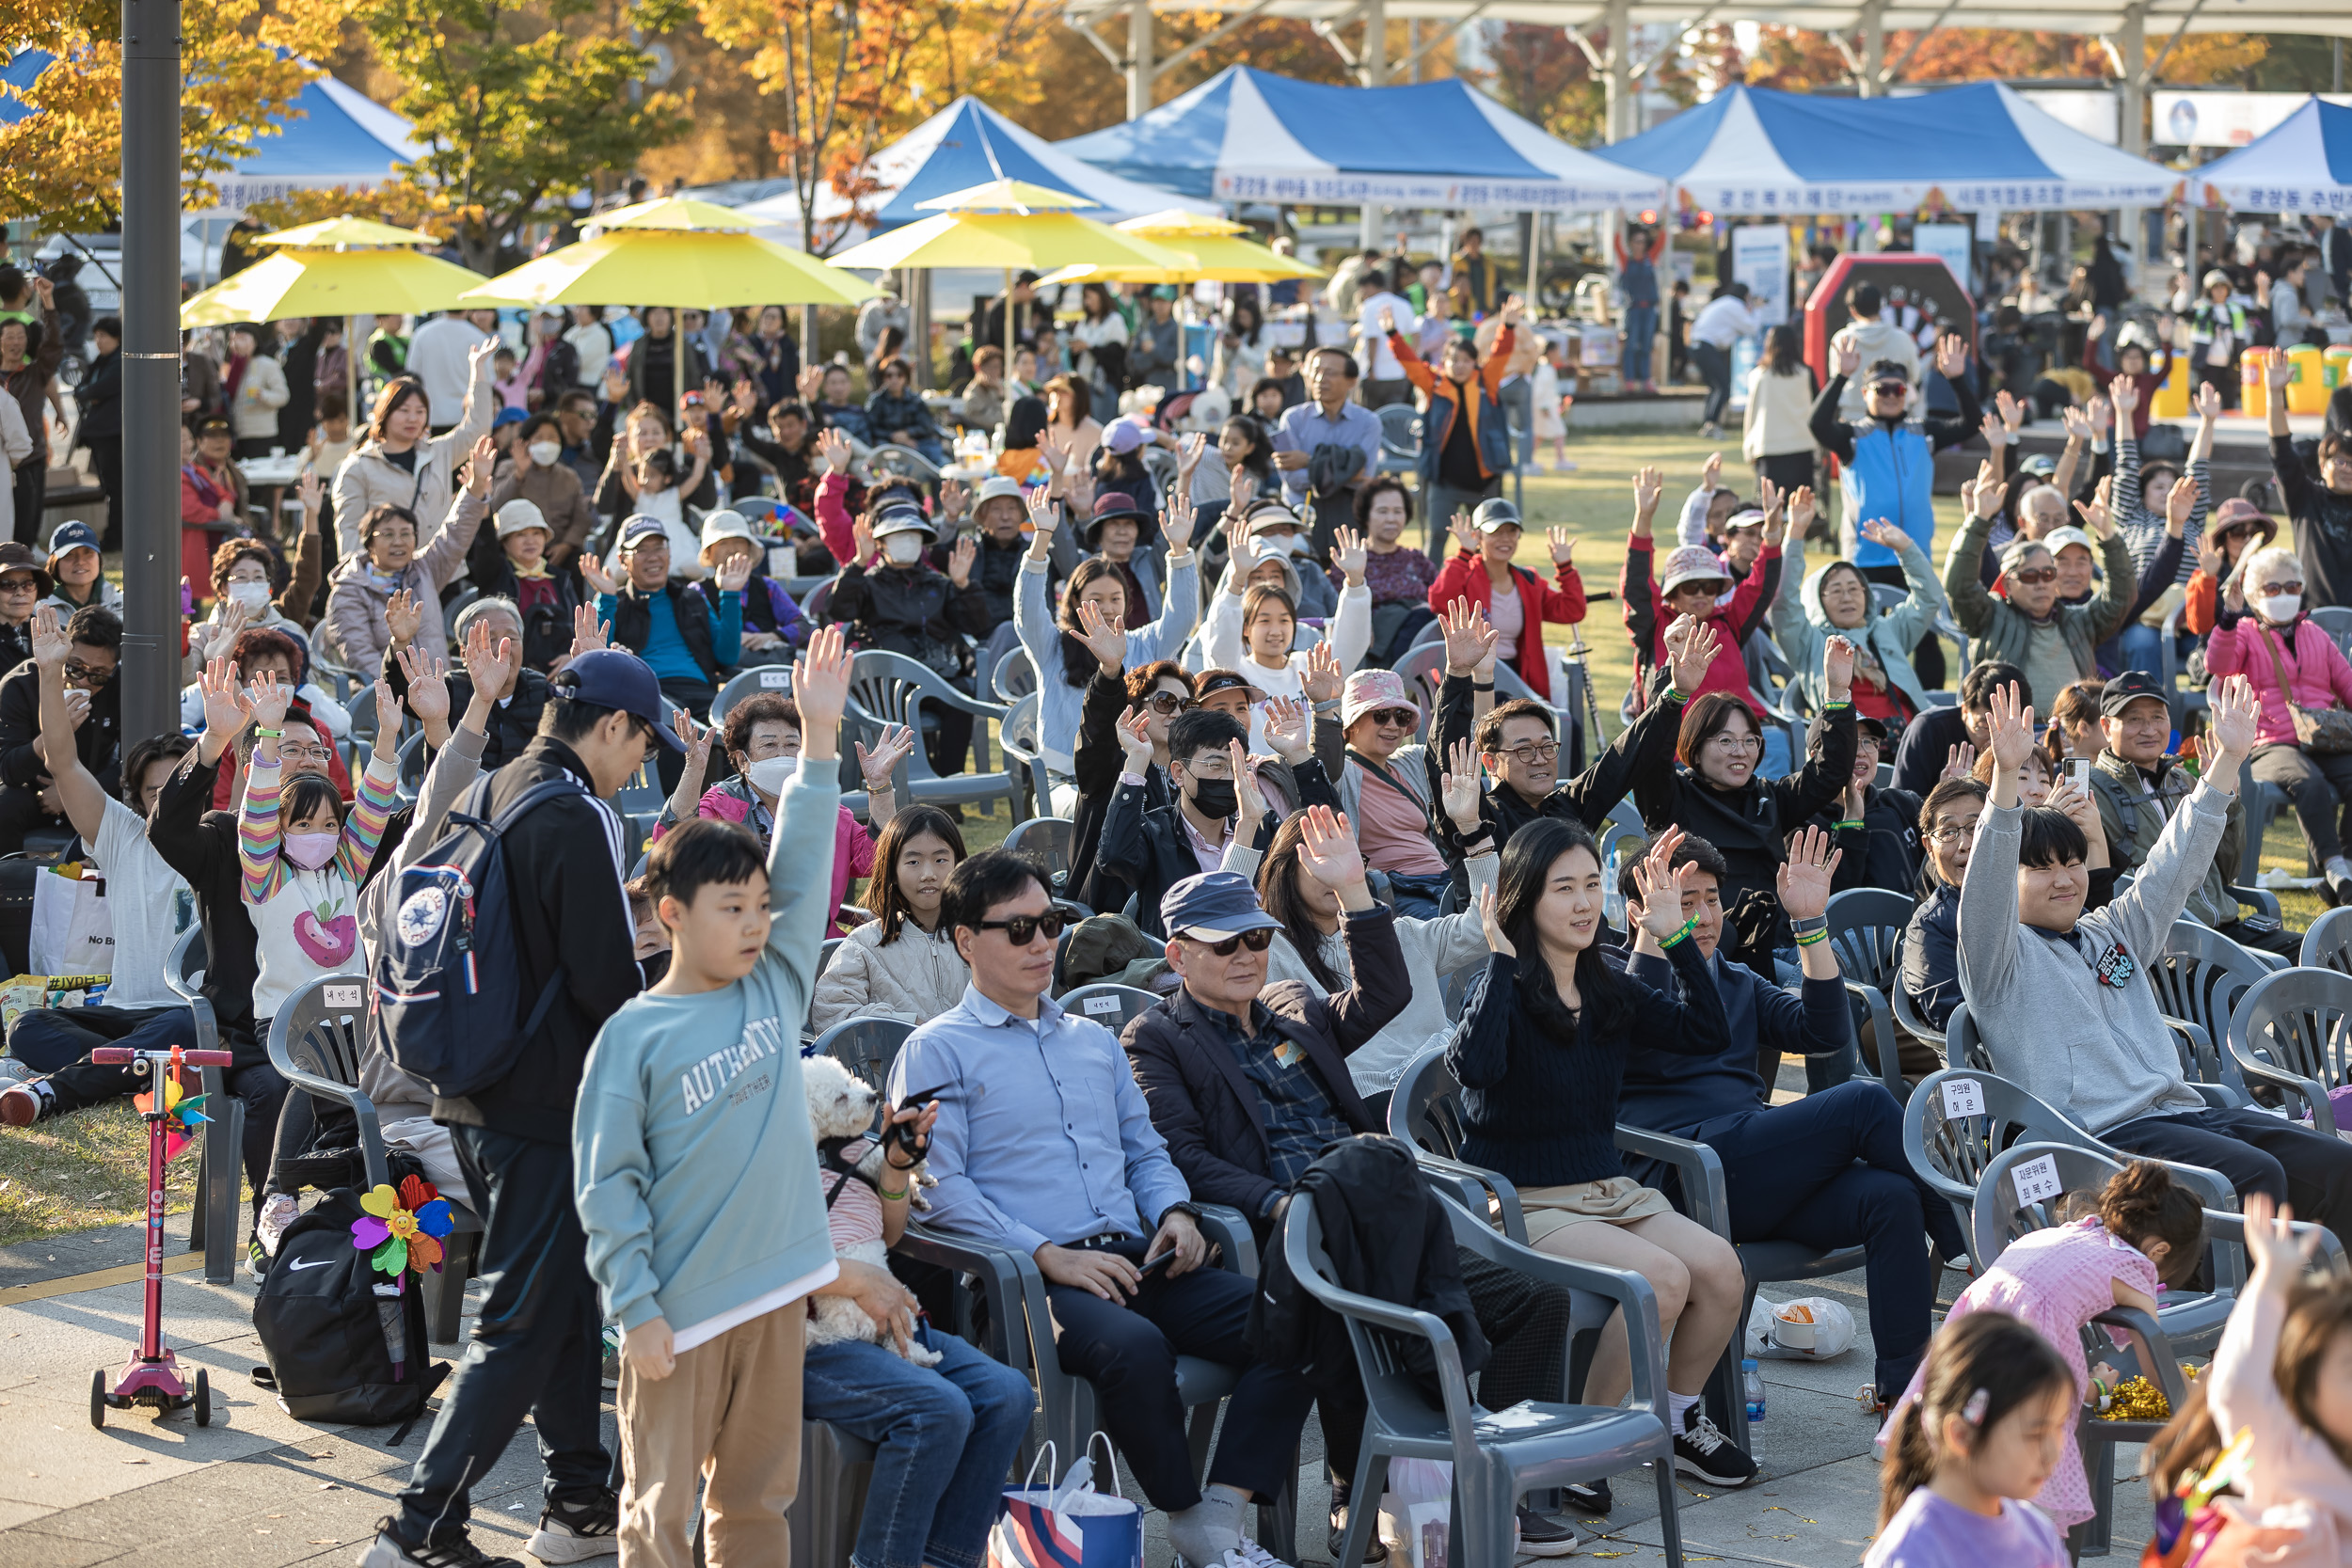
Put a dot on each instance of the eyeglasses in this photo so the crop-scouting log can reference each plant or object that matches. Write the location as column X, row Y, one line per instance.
column 1730, row 742
column 319, row 755
column 2031, row 574
column 1167, row 703
column 1401, row 718
column 1891, row 389
column 1257, row 942
column 93, row 675
column 1021, row 929
column 2268, row 588
column 1534, row 752
column 1951, row 832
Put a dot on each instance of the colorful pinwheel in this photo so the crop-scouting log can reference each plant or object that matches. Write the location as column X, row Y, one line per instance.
column 402, row 1230
column 182, row 1115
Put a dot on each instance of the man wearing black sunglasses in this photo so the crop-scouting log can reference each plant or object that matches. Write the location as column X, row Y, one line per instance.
column 1044, row 1144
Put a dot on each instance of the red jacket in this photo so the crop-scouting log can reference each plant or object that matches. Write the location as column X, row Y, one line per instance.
column 1465, row 577
column 1645, row 618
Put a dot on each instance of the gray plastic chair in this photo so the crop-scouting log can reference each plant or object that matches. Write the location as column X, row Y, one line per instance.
column 220, row 1174
column 1910, row 1020
column 887, row 688
column 1017, row 737
column 866, row 1046
column 1492, row 1468
column 1866, row 931
column 1400, row 442
column 316, row 1043
column 2290, row 1032
column 1110, row 1004
column 414, row 758
column 2329, row 942
column 751, row 683
column 1016, row 673
column 1046, row 840
column 2200, row 978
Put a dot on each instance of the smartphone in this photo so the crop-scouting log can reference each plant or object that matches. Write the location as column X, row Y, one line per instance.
column 2079, row 773
column 1157, row 1264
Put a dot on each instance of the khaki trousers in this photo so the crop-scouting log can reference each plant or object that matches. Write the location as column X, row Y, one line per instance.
column 729, row 1414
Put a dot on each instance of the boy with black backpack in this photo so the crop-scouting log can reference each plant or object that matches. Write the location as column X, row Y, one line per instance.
column 696, row 1169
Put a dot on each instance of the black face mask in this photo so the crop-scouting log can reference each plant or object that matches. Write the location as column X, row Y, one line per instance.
column 655, row 965
column 1214, row 798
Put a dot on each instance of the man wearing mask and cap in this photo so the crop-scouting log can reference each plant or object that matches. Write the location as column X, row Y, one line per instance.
column 537, row 1348
column 539, row 475
column 1888, row 463
column 889, row 597
column 671, row 629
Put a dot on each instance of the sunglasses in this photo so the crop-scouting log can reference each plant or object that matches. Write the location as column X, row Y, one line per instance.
column 1257, row 942
column 2268, row 588
column 1021, row 929
column 2030, row 574
column 91, row 673
column 1167, row 703
column 1891, row 389
column 1400, row 717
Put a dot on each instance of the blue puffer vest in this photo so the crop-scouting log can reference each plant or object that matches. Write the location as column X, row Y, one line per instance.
column 1892, row 476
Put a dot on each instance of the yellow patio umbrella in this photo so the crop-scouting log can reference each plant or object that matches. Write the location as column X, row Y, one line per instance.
column 1214, row 248
column 345, row 230
column 672, row 263
column 1008, row 224
column 675, row 212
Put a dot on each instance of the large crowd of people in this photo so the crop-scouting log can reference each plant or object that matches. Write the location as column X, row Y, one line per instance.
column 1327, row 804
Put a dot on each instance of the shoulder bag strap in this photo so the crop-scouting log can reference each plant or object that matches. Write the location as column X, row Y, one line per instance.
column 2278, row 668
column 1380, row 771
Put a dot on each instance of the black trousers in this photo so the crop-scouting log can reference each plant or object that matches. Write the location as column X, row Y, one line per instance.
column 32, row 498
column 1715, row 370
column 2318, row 786
column 537, row 1346
column 1926, row 655
column 20, row 814
column 1526, row 1325
column 2258, row 1153
column 105, row 460
column 58, row 1040
column 1128, row 1352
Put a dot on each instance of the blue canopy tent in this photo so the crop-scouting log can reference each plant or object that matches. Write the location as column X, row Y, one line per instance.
column 967, row 144
column 337, row 138
column 2302, row 165
column 1250, row 135
column 1750, row 150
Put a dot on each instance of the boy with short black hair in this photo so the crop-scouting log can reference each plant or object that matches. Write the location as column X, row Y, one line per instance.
column 688, row 1086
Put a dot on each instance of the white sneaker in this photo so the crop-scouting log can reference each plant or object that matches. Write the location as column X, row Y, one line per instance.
column 281, row 1211
column 1251, row 1555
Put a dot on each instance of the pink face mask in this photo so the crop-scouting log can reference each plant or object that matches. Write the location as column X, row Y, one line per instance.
column 311, row 850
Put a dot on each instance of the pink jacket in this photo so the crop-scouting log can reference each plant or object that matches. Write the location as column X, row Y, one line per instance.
column 2292, row 1464
column 2315, row 668
column 852, row 847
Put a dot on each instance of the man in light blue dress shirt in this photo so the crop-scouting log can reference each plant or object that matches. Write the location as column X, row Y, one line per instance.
column 1328, row 418
column 1045, row 1144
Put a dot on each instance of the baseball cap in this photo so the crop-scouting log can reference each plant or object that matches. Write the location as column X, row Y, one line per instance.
column 617, row 679
column 519, row 513
column 72, row 536
column 1814, row 731
column 1495, row 513
column 1691, row 563
column 1125, row 434
column 642, row 525
column 903, row 519
column 1211, row 682
column 1751, row 517
column 508, row 416
column 2124, row 690
column 1370, row 690
column 1887, row 370
column 2059, row 538
column 1210, row 906
column 2040, row 466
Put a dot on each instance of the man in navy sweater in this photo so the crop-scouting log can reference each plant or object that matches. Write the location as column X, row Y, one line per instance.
column 1827, row 1170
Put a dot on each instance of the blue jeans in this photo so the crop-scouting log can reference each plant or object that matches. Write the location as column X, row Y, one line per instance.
column 944, row 1439
column 1640, row 339
column 2138, row 646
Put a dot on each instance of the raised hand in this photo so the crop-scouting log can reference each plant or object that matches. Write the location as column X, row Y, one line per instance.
column 2179, row 503
column 2011, row 411
column 2276, row 1253
column 1328, row 850
column 599, row 580
column 402, row 615
column 1563, row 546
column 1469, row 639
column 2236, row 718
column 1658, row 888
column 1879, row 532
column 834, row 448
column 960, row 558
column 1691, row 653
column 615, row 382
column 2081, row 810
column 1249, row 799
column 1286, row 727
column 1135, row 741
column 490, row 666
column 588, row 633
column 1234, row 526
column 1951, row 355
column 2212, row 558
column 2098, row 413
column 272, row 697
column 1650, row 484
column 733, row 573
column 309, row 492
column 1348, row 553
column 1387, row 320
column 879, row 765
column 953, row 501
column 1244, row 485
column 480, row 355
column 1837, row 667
column 809, row 383
column 428, row 683
column 1497, row 943
column 1988, row 494
column 861, row 541
column 1465, row 536
column 2278, row 371
column 1044, row 517
column 1847, row 357
column 1106, row 641
column 1188, row 457
column 1323, row 680
column 2078, row 424
column 52, row 647
column 2096, row 514
column 481, row 465
column 1457, row 787
column 2123, row 394
column 1959, row 762
column 2208, row 403
column 1805, row 876
column 2010, row 729
column 1800, row 509
column 820, row 689
column 227, row 709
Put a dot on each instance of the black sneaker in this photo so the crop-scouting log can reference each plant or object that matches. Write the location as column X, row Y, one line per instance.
column 387, row 1550
column 579, row 1531
column 1375, row 1550
column 1701, row 1449
column 1542, row 1535
column 1588, row 1498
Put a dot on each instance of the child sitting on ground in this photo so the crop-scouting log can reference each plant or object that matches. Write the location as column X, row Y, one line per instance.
column 688, row 1086
column 1982, row 1436
column 2147, row 1231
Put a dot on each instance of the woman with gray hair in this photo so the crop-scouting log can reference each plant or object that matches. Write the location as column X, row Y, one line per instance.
column 2263, row 630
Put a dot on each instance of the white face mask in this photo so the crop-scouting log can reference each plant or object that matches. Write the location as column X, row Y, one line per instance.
column 544, row 453
column 769, row 776
column 2279, row 608
column 904, row 549
column 253, row 596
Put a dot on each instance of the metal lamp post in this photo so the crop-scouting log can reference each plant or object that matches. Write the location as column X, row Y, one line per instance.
column 151, row 365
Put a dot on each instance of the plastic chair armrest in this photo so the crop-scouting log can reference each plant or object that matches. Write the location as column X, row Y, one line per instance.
column 1010, row 1282
column 1492, row 1185
column 2261, row 899
column 2157, row 1362
column 1223, row 1224
column 1700, row 1167
column 1882, row 1035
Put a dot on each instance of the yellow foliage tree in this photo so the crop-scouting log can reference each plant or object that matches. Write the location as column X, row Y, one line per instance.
column 243, row 68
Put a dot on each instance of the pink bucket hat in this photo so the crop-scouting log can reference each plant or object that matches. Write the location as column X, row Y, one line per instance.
column 1370, row 690
column 1689, row 563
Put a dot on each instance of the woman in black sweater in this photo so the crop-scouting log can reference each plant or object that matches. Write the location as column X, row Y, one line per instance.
column 1541, row 1052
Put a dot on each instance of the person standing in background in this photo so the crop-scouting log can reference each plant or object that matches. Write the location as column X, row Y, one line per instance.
column 591, row 341
column 298, row 343
column 1384, row 380
column 99, row 403
column 1638, row 277
column 439, row 358
column 1477, row 285
column 1724, row 322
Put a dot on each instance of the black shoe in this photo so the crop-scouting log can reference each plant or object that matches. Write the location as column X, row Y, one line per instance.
column 1701, row 1449
column 387, row 1550
column 1588, row 1498
column 1542, row 1535
column 579, row 1531
column 1375, row 1550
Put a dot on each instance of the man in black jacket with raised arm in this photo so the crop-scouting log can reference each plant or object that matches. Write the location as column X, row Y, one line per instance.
column 1249, row 1085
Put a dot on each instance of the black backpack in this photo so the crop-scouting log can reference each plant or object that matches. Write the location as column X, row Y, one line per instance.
column 343, row 1345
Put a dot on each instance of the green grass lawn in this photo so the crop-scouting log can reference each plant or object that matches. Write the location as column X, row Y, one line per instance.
column 90, row 1169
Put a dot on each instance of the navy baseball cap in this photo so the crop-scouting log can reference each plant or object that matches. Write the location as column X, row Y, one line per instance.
column 73, row 535
column 616, row 678
column 642, row 525
column 1210, row 906
column 2127, row 688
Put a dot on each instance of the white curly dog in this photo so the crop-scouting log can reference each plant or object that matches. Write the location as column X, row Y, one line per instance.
column 842, row 1105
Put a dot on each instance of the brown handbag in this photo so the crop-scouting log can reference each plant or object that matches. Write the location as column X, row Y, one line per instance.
column 2325, row 732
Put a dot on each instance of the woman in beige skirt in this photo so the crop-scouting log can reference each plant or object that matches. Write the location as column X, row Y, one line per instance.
column 1541, row 1051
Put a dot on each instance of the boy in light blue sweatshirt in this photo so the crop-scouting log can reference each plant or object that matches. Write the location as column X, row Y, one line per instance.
column 698, row 1172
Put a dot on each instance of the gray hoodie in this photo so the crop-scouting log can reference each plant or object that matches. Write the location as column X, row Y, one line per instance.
column 2100, row 1052
column 1876, row 340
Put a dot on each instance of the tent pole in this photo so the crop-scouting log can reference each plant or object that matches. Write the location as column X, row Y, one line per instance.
column 1372, row 71
column 1141, row 71
column 1009, row 334
column 1618, row 64
column 151, row 365
column 917, row 282
column 2131, row 223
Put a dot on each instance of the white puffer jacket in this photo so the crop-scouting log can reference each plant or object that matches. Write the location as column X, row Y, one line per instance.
column 915, row 979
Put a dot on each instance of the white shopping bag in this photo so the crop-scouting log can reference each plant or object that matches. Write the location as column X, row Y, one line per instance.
column 1417, row 1511
column 73, row 930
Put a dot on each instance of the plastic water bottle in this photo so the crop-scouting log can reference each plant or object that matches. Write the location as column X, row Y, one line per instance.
column 1752, row 1390
column 1612, row 901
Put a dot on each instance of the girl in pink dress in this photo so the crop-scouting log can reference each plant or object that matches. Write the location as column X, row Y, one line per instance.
column 2149, row 1231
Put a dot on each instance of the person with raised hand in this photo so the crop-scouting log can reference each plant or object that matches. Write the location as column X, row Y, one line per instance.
column 1519, row 603
column 396, row 555
column 1836, row 598
column 1063, row 657
column 2061, row 998
column 1541, row 1052
column 1468, row 445
column 2321, row 513
column 2029, row 623
column 1692, row 581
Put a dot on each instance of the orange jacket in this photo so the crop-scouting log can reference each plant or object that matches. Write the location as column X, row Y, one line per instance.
column 1446, row 403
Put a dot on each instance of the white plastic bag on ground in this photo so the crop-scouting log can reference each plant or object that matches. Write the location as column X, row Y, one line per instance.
column 1417, row 1511
column 1811, row 1329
